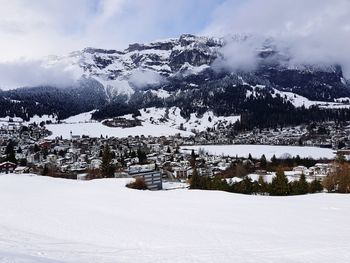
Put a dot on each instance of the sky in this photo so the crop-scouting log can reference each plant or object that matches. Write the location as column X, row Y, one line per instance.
column 37, row 28
column 312, row 31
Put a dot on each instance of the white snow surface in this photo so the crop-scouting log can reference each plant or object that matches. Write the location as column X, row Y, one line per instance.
column 299, row 101
column 80, row 118
column 36, row 118
column 269, row 150
column 96, row 129
column 155, row 121
column 56, row 220
column 172, row 118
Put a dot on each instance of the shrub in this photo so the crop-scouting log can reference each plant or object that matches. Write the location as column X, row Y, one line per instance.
column 138, row 184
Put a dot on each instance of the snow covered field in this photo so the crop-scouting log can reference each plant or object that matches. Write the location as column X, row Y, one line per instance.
column 269, row 150
column 172, row 118
column 96, row 129
column 55, row 220
column 155, row 121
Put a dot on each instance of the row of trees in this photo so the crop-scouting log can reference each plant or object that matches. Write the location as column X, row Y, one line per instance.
column 242, row 168
column 278, row 187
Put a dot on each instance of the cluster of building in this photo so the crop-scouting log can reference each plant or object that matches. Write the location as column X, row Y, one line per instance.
column 80, row 157
column 329, row 134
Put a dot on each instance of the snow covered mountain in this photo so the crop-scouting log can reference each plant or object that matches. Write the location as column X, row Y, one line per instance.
column 121, row 72
column 159, row 62
column 193, row 74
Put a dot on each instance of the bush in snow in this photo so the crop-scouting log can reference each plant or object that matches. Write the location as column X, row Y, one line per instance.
column 138, row 184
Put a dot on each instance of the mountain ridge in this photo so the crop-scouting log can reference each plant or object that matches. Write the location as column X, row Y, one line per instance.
column 183, row 72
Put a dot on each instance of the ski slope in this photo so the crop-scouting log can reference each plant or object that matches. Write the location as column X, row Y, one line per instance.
column 55, row 220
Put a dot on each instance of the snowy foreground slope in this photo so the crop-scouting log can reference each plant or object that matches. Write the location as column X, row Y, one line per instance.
column 55, row 220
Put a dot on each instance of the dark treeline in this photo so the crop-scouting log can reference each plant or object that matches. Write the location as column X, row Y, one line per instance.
column 278, row 187
column 62, row 102
column 241, row 168
column 261, row 115
column 259, row 107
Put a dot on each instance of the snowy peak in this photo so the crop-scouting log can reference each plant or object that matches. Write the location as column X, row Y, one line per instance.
column 151, row 64
column 143, row 64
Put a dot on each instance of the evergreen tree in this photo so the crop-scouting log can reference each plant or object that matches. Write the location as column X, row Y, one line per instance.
column 106, row 166
column 217, row 184
column 315, row 186
column 246, row 186
column 303, row 186
column 263, row 186
column 263, row 161
column 193, row 159
column 10, row 152
column 250, row 157
column 195, row 182
column 142, row 156
column 299, row 187
column 279, row 184
column 274, row 160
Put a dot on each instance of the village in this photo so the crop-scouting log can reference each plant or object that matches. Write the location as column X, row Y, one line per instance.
column 25, row 149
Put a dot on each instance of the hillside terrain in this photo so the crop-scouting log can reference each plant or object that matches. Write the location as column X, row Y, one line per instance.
column 193, row 74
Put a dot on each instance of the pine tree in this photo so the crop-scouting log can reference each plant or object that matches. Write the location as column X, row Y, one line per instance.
column 315, row 186
column 299, row 187
column 193, row 159
column 274, row 160
column 303, row 186
column 279, row 184
column 250, row 157
column 246, row 186
column 263, row 186
column 263, row 162
column 142, row 156
column 195, row 182
column 10, row 152
column 106, row 166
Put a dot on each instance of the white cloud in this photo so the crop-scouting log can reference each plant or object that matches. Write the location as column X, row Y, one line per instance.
column 31, row 30
column 140, row 78
column 312, row 31
column 27, row 73
column 38, row 28
column 238, row 54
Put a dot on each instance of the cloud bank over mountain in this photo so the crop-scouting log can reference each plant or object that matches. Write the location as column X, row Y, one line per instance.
column 310, row 32
column 29, row 73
